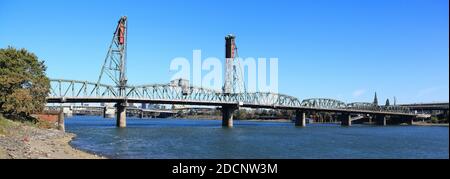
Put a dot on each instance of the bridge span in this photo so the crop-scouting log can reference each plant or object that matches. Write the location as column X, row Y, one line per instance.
column 229, row 99
column 67, row 91
column 428, row 106
column 303, row 107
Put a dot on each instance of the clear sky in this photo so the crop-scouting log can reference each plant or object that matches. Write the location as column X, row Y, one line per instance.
column 341, row 49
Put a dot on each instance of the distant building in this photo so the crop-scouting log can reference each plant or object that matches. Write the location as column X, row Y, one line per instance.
column 375, row 100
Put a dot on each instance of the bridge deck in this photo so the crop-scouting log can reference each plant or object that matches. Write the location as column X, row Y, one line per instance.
column 212, row 103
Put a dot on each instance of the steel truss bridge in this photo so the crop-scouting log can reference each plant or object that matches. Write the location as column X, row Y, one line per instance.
column 73, row 91
column 229, row 99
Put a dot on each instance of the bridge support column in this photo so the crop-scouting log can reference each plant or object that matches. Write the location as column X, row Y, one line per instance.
column 381, row 120
column 61, row 125
column 141, row 114
column 121, row 112
column 227, row 116
column 370, row 119
column 108, row 112
column 346, row 119
column 300, row 118
column 410, row 120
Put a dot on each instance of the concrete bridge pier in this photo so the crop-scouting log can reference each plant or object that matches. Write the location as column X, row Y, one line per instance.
column 381, row 120
column 370, row 119
column 121, row 112
column 61, row 125
column 141, row 114
column 227, row 116
column 346, row 119
column 109, row 112
column 300, row 118
column 410, row 120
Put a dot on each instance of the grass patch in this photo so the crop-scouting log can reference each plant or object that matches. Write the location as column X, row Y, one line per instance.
column 5, row 124
column 39, row 124
column 45, row 125
column 3, row 154
column 8, row 125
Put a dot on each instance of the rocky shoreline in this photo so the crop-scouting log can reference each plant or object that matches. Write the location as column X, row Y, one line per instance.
column 19, row 141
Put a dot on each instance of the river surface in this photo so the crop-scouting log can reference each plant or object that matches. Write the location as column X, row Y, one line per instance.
column 206, row 139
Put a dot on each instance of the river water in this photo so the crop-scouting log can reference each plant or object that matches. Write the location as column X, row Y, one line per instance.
column 206, row 139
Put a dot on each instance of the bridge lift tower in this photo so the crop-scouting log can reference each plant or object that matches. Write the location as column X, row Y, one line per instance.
column 234, row 83
column 233, row 72
column 114, row 67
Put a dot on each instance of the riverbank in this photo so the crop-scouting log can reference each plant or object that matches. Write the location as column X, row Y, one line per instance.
column 430, row 124
column 25, row 141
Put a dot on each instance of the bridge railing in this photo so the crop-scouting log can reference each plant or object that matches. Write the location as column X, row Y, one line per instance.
column 80, row 89
column 323, row 103
column 373, row 107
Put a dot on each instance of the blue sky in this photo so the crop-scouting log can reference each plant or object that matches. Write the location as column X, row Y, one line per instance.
column 341, row 49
